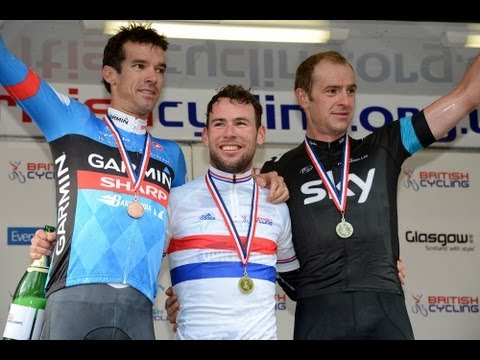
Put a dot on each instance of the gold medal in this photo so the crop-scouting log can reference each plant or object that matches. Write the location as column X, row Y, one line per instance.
column 135, row 209
column 246, row 284
column 344, row 229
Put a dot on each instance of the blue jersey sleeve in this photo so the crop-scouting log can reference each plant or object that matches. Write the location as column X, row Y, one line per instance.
column 51, row 111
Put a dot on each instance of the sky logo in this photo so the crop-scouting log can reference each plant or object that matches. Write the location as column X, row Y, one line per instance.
column 20, row 235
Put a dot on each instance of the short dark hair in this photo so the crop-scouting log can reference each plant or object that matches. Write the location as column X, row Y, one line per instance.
column 240, row 94
column 114, row 53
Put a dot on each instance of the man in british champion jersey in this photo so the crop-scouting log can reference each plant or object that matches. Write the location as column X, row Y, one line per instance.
column 113, row 181
column 227, row 241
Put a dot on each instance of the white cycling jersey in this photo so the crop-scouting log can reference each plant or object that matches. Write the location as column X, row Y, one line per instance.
column 206, row 262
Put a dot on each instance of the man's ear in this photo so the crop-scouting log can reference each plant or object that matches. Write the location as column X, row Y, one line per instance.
column 109, row 74
column 302, row 97
column 261, row 135
column 205, row 136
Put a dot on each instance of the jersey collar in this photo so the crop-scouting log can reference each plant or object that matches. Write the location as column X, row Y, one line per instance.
column 228, row 177
column 127, row 122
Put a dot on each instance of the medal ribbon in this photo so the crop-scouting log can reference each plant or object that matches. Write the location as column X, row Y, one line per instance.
column 339, row 197
column 243, row 252
column 135, row 177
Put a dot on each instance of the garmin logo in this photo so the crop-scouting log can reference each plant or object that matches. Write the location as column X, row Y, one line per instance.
column 63, row 202
column 97, row 161
column 118, row 119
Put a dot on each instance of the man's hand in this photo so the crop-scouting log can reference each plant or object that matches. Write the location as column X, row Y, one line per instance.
column 172, row 306
column 275, row 183
column 42, row 244
column 401, row 271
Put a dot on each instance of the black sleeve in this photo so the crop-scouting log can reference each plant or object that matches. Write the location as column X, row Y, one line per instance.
column 272, row 164
column 288, row 281
column 267, row 167
column 422, row 130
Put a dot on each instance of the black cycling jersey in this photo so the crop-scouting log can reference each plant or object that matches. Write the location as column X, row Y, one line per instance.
column 366, row 261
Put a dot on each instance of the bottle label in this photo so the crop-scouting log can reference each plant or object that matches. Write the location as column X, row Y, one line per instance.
column 38, row 269
column 22, row 324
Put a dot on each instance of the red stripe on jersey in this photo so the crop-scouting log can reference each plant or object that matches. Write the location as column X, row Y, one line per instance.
column 219, row 242
column 27, row 88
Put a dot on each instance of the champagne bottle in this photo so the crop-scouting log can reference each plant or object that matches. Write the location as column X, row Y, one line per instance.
column 25, row 316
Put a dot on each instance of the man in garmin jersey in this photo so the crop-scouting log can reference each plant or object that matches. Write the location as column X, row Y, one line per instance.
column 343, row 203
column 113, row 181
column 227, row 242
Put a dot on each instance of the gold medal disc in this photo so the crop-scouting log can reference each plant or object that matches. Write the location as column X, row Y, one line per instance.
column 135, row 209
column 246, row 284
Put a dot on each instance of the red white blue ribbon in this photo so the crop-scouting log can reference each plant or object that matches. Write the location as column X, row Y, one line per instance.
column 339, row 196
column 135, row 177
column 243, row 251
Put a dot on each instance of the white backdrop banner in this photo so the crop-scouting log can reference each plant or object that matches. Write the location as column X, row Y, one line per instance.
column 180, row 115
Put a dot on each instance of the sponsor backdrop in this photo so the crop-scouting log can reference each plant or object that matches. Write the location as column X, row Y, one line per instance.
column 397, row 75
column 438, row 234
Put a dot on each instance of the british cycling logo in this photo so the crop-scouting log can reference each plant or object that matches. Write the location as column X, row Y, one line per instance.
column 409, row 182
column 15, row 174
column 30, row 171
column 435, row 179
column 443, row 304
column 418, row 307
column 281, row 301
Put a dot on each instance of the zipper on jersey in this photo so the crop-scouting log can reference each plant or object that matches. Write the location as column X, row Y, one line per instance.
column 234, row 198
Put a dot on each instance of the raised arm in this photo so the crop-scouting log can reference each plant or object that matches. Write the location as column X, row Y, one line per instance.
column 443, row 114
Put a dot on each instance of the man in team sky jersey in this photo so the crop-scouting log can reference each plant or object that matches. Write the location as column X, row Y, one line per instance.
column 113, row 181
column 343, row 203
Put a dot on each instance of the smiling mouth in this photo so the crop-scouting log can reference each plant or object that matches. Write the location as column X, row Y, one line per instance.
column 150, row 93
column 230, row 147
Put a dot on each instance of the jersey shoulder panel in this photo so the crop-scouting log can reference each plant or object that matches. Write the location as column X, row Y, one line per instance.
column 280, row 161
column 170, row 153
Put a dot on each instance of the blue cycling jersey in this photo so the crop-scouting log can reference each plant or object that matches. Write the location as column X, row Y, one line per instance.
column 97, row 241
